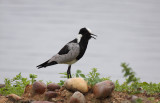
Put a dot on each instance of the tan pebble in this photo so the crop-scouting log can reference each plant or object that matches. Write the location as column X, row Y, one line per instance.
column 3, row 99
column 77, row 97
column 134, row 98
column 76, row 84
column 54, row 99
column 14, row 97
column 28, row 89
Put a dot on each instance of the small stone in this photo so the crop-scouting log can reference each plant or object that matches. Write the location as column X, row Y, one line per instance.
column 52, row 86
column 126, row 101
column 134, row 98
column 50, row 94
column 3, row 99
column 56, row 100
column 14, row 97
column 77, row 97
column 42, row 102
column 103, row 89
column 76, row 84
column 39, row 87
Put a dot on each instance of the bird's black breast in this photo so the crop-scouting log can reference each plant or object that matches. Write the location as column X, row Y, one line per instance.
column 82, row 51
column 83, row 46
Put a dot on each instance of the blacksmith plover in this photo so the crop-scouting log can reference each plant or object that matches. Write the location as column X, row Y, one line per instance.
column 72, row 51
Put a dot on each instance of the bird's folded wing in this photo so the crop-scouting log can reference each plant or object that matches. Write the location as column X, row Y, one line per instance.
column 67, row 54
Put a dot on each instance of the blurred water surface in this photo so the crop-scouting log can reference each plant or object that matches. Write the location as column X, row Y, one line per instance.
column 32, row 31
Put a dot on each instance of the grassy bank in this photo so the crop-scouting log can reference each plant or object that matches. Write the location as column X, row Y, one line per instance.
column 131, row 86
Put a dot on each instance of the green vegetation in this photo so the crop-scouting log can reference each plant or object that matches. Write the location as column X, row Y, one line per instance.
column 92, row 78
column 17, row 84
column 132, row 84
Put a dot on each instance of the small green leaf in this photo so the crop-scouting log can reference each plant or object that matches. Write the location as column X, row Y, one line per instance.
column 77, row 75
column 79, row 71
column 82, row 75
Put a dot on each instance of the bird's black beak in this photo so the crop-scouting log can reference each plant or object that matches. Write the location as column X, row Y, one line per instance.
column 93, row 36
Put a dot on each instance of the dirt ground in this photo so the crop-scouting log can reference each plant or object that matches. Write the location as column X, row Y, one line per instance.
column 63, row 96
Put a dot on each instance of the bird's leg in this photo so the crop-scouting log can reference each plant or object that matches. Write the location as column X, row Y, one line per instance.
column 69, row 72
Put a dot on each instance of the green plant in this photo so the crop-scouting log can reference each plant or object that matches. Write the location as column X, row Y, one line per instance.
column 133, row 85
column 33, row 76
column 77, row 74
column 16, row 85
column 129, row 74
column 92, row 78
column 131, row 79
column 61, row 83
column 139, row 100
column 48, row 82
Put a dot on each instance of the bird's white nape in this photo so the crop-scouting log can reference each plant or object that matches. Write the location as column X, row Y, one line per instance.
column 89, row 30
column 79, row 37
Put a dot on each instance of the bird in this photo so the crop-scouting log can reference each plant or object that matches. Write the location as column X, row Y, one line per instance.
column 72, row 51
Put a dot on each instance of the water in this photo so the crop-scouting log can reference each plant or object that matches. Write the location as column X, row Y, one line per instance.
column 32, row 31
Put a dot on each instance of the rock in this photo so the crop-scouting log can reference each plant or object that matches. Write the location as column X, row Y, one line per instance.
column 14, row 97
column 76, row 84
column 50, row 94
column 39, row 87
column 77, row 97
column 134, row 99
column 66, row 93
column 28, row 91
column 42, row 102
column 3, row 99
column 58, row 100
column 52, row 86
column 103, row 89
column 126, row 101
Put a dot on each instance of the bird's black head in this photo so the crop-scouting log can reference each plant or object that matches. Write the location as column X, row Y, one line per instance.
column 86, row 33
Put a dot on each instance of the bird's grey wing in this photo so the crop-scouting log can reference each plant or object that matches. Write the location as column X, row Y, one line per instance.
column 67, row 54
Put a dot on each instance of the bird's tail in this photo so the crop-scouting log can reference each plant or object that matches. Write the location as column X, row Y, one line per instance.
column 45, row 64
